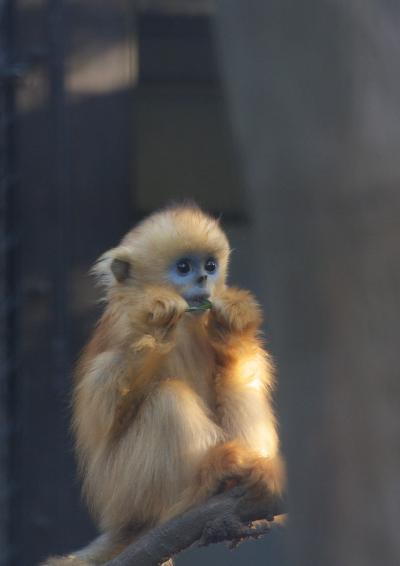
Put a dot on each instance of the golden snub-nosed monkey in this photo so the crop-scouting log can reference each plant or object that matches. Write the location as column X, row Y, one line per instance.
column 172, row 392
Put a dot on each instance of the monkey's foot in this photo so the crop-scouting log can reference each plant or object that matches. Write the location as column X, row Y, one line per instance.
column 230, row 464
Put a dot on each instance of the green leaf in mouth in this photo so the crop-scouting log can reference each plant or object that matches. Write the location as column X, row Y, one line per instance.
column 204, row 306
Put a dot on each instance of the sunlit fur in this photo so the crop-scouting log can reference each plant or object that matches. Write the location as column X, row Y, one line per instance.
column 169, row 404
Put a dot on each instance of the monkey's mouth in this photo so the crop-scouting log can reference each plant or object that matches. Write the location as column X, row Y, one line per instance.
column 199, row 302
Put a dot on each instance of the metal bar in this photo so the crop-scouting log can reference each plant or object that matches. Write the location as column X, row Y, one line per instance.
column 9, row 74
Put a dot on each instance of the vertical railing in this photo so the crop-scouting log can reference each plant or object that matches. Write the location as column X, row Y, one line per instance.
column 9, row 73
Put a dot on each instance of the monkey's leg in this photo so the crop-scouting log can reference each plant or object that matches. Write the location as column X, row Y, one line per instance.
column 101, row 550
column 181, row 433
column 243, row 391
column 157, row 458
column 159, row 455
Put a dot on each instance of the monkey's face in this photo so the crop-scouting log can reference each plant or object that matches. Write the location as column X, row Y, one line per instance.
column 182, row 248
column 194, row 276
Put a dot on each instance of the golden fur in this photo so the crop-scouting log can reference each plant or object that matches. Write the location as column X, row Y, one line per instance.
column 169, row 405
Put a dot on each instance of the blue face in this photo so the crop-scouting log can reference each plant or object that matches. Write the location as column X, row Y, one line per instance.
column 195, row 276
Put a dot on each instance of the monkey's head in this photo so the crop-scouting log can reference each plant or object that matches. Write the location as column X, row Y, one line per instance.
column 181, row 247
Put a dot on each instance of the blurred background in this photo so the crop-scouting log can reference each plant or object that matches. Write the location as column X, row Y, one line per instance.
column 283, row 118
column 110, row 111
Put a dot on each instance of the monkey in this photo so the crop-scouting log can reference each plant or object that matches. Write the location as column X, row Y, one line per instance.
column 172, row 397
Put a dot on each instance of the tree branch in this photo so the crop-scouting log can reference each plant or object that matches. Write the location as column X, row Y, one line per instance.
column 229, row 517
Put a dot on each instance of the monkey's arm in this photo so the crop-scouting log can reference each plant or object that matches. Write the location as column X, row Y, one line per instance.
column 244, row 371
column 119, row 366
column 244, row 380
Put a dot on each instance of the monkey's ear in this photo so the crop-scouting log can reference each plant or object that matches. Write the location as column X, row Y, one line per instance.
column 113, row 266
column 121, row 269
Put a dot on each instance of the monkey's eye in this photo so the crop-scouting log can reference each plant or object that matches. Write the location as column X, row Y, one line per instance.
column 211, row 265
column 183, row 266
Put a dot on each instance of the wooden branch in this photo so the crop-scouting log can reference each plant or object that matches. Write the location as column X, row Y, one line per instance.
column 229, row 517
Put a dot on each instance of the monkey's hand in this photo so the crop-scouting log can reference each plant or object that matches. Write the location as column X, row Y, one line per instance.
column 161, row 308
column 235, row 311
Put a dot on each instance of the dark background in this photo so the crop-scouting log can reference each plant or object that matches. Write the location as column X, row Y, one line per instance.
column 109, row 111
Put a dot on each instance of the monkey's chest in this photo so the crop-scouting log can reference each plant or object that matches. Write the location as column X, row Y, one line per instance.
column 192, row 361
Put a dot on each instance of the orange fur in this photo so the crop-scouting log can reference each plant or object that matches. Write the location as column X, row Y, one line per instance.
column 169, row 407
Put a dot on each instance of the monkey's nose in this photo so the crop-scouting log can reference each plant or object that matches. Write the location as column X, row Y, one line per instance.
column 202, row 279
